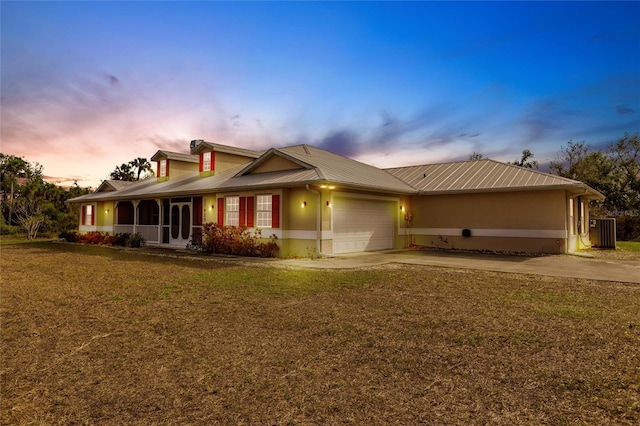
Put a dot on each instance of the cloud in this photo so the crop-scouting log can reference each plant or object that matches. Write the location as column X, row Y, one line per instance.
column 342, row 142
column 625, row 109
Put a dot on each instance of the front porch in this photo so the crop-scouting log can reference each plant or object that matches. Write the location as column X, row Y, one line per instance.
column 172, row 222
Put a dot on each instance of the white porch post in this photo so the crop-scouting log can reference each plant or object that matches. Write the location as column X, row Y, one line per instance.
column 135, row 215
column 159, row 203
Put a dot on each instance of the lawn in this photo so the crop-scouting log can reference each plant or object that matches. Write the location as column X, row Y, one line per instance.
column 93, row 335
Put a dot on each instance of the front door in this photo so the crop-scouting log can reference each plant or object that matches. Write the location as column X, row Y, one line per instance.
column 180, row 231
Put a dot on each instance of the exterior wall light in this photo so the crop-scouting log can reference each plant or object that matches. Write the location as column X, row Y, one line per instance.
column 303, row 204
column 329, row 204
column 107, row 211
column 401, row 208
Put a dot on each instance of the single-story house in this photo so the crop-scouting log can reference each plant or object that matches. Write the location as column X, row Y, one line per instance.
column 317, row 201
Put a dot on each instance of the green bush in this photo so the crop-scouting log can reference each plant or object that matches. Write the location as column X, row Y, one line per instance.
column 126, row 239
column 233, row 240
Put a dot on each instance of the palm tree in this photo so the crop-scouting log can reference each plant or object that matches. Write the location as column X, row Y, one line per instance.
column 141, row 164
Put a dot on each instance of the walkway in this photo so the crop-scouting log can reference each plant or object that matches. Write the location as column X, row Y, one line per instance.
column 557, row 265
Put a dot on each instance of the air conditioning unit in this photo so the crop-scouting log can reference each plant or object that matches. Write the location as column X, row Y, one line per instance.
column 603, row 233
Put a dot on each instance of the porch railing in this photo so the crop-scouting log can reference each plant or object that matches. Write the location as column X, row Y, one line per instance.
column 148, row 232
column 123, row 229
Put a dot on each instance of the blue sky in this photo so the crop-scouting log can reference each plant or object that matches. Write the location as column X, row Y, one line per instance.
column 89, row 85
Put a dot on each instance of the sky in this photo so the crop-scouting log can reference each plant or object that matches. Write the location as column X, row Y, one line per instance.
column 88, row 85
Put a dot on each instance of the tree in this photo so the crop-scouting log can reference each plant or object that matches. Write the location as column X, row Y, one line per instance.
column 123, row 172
column 132, row 170
column 615, row 172
column 30, row 216
column 11, row 168
column 525, row 160
column 476, row 156
column 141, row 165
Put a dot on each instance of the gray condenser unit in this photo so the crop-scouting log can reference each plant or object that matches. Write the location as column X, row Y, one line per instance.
column 603, row 233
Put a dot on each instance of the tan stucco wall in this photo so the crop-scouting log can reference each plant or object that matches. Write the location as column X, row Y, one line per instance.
column 105, row 213
column 531, row 221
column 300, row 218
column 180, row 168
column 224, row 161
column 275, row 164
column 513, row 210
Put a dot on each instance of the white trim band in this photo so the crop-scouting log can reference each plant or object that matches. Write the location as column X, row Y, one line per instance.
column 507, row 233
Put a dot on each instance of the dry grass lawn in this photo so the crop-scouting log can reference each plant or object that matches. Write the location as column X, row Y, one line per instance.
column 98, row 336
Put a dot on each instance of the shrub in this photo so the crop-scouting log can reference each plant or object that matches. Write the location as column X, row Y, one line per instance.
column 69, row 236
column 135, row 240
column 234, row 240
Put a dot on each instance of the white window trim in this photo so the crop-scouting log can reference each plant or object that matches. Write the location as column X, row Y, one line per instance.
column 232, row 210
column 264, row 215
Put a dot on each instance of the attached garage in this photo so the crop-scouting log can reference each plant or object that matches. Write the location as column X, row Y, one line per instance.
column 362, row 225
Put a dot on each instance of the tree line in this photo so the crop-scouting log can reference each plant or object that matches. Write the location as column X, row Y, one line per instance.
column 34, row 205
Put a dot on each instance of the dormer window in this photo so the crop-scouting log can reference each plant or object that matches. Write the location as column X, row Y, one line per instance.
column 162, row 168
column 206, row 161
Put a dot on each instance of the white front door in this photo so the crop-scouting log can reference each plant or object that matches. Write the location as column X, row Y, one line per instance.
column 180, row 230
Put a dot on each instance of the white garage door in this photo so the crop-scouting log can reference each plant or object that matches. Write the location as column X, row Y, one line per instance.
column 362, row 225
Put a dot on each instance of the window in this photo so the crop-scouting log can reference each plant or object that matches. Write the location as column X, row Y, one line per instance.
column 87, row 215
column 206, row 161
column 264, row 211
column 232, row 205
column 162, row 168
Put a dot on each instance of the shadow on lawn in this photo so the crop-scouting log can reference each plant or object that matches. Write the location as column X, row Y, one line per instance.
column 162, row 256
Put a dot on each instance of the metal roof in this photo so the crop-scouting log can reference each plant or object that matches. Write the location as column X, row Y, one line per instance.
column 332, row 168
column 321, row 166
column 179, row 156
column 226, row 149
column 482, row 176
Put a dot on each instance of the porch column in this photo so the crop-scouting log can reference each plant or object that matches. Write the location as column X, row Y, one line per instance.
column 135, row 215
column 159, row 203
column 115, row 213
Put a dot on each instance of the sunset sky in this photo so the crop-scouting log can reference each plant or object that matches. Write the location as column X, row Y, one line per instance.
column 88, row 85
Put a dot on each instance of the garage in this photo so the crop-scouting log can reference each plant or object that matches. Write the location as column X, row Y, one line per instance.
column 362, row 225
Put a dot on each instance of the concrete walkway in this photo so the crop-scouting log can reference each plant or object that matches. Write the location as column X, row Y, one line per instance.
column 557, row 265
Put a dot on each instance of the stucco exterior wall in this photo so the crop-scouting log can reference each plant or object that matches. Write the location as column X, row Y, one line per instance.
column 180, row 168
column 275, row 164
column 527, row 221
column 224, row 161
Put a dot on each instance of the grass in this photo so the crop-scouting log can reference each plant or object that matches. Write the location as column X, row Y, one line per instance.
column 93, row 335
column 633, row 246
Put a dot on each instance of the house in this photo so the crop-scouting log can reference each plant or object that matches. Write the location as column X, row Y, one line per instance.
column 317, row 201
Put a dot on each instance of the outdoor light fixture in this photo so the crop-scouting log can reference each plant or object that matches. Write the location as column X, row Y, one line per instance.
column 304, row 204
column 329, row 204
column 107, row 211
column 211, row 207
column 401, row 208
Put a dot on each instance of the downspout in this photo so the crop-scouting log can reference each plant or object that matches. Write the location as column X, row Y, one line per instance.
column 318, row 219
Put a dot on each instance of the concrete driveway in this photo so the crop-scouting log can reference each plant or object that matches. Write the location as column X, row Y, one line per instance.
column 556, row 265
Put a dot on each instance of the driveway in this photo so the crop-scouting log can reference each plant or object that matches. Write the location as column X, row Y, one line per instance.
column 556, row 265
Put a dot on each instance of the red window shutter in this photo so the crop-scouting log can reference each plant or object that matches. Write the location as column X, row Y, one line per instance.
column 197, row 211
column 167, row 167
column 243, row 212
column 213, row 160
column 93, row 216
column 220, row 211
column 275, row 211
column 250, row 211
column 201, row 161
column 84, row 215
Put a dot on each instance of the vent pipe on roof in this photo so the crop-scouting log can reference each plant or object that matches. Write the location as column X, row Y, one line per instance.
column 195, row 143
